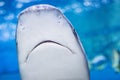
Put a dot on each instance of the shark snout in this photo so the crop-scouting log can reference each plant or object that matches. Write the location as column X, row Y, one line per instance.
column 48, row 46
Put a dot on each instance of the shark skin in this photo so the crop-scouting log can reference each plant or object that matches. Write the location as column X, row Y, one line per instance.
column 48, row 46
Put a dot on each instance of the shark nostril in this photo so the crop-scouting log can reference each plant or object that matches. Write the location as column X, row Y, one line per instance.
column 37, row 7
column 23, row 28
column 60, row 17
column 58, row 21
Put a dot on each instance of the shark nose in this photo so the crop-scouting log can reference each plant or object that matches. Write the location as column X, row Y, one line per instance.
column 46, row 46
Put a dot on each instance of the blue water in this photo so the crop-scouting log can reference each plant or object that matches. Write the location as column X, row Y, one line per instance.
column 96, row 22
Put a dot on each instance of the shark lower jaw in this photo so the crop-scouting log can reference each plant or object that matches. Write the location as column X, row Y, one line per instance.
column 47, row 42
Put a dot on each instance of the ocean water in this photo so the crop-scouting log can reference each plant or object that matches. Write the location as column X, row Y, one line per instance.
column 97, row 23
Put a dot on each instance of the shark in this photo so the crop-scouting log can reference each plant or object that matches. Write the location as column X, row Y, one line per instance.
column 48, row 46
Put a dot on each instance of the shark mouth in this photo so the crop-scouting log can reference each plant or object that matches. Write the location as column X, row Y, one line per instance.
column 43, row 42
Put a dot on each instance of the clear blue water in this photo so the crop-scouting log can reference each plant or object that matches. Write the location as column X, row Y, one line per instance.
column 97, row 23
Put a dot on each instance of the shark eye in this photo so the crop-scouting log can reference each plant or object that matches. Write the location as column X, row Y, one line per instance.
column 23, row 28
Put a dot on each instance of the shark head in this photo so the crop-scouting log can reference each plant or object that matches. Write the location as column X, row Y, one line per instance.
column 48, row 46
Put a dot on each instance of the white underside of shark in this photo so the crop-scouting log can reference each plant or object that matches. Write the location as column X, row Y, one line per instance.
column 48, row 47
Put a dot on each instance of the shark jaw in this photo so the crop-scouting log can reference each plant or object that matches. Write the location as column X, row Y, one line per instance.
column 48, row 46
column 44, row 42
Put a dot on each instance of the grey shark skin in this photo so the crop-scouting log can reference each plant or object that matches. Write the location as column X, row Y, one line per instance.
column 48, row 47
